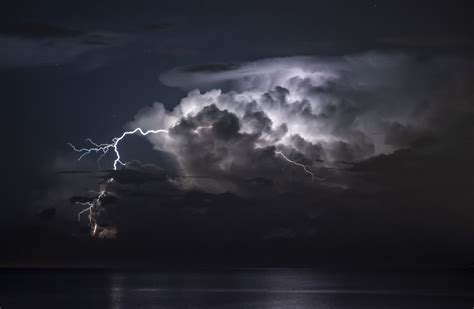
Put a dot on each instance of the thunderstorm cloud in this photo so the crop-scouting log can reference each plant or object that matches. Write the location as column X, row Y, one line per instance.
column 236, row 119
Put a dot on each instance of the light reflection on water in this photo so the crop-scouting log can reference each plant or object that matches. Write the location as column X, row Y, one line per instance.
column 116, row 290
column 236, row 289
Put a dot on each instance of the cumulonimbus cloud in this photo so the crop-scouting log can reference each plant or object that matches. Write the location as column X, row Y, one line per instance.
column 316, row 111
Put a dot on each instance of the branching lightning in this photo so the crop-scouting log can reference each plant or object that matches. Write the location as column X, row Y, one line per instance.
column 90, row 208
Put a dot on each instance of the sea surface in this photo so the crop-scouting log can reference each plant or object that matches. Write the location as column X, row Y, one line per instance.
column 239, row 288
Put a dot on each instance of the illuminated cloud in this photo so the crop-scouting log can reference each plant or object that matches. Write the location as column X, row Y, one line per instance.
column 317, row 111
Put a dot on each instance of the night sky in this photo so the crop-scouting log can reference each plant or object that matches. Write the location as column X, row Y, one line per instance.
column 320, row 132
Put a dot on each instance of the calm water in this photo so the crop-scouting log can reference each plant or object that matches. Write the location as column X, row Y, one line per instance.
column 236, row 289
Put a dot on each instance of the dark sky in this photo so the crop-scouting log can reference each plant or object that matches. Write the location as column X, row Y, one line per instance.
column 71, row 70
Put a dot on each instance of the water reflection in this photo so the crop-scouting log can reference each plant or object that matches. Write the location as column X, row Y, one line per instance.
column 235, row 289
column 116, row 290
column 292, row 289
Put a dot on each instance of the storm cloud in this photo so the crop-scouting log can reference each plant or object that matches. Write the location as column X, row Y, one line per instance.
column 316, row 111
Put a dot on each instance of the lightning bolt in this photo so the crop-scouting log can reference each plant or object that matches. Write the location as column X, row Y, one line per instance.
column 103, row 149
column 305, row 168
column 90, row 209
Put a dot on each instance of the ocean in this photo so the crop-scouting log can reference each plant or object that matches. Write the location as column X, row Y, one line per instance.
column 236, row 288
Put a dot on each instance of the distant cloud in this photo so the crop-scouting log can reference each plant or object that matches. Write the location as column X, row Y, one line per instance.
column 210, row 68
column 428, row 41
column 158, row 26
column 37, row 31
column 34, row 44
